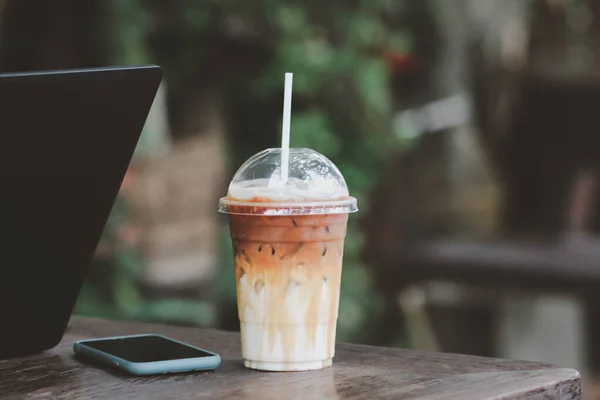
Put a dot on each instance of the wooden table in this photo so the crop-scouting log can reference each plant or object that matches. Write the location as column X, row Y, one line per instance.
column 358, row 372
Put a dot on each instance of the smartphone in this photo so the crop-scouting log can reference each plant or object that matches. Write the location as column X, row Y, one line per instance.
column 147, row 354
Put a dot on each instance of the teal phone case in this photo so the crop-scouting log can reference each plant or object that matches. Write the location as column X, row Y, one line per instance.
column 148, row 368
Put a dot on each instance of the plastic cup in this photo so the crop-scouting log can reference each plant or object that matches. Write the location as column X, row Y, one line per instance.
column 288, row 242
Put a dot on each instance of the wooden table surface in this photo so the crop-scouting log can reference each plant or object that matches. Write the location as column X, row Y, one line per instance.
column 358, row 372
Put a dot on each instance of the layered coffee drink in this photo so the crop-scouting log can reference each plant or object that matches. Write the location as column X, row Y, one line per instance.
column 288, row 241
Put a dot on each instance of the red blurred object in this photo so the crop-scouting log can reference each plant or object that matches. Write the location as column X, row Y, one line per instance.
column 128, row 235
column 399, row 62
column 129, row 176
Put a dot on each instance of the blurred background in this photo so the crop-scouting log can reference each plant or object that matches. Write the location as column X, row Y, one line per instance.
column 467, row 130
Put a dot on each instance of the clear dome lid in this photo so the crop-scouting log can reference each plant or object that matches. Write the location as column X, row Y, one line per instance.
column 314, row 186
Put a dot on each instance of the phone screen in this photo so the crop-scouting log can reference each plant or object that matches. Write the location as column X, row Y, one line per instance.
column 146, row 349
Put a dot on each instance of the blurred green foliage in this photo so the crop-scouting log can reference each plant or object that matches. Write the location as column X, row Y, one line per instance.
column 342, row 106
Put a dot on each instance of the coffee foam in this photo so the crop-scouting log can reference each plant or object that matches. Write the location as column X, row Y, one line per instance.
column 293, row 190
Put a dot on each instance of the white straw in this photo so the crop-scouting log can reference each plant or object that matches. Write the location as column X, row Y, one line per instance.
column 285, row 128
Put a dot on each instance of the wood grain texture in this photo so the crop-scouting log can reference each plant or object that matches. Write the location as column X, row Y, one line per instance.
column 358, row 372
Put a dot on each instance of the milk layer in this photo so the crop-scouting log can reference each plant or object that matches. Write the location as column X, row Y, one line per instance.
column 288, row 323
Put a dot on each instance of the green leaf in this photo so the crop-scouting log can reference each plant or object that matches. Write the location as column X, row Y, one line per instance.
column 317, row 52
column 371, row 79
column 132, row 21
column 311, row 129
column 291, row 19
column 129, row 261
column 401, row 42
column 308, row 62
column 358, row 179
column 366, row 30
column 345, row 60
column 127, row 297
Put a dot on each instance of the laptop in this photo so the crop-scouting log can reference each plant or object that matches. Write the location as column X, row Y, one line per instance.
column 66, row 140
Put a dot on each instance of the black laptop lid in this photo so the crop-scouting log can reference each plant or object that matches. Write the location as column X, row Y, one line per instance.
column 66, row 139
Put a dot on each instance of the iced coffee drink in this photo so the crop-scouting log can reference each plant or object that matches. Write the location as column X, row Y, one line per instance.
column 288, row 241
